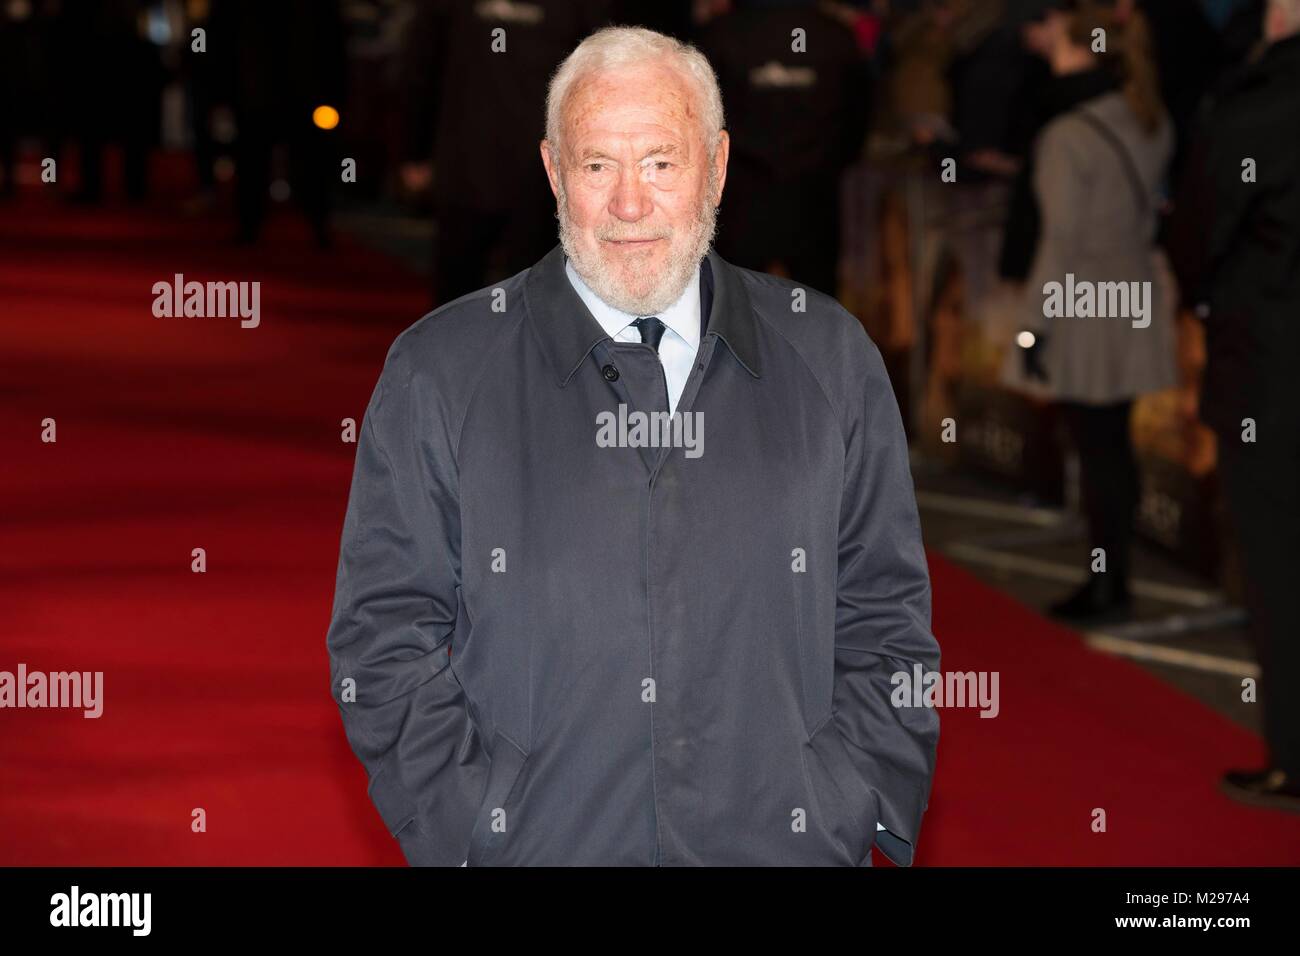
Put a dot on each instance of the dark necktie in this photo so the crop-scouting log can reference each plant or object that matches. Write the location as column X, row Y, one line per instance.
column 651, row 329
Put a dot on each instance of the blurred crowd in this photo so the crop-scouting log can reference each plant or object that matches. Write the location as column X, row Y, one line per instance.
column 932, row 162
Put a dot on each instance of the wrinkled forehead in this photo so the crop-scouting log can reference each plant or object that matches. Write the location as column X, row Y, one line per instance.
column 632, row 105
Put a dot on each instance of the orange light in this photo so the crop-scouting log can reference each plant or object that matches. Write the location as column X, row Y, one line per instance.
column 325, row 117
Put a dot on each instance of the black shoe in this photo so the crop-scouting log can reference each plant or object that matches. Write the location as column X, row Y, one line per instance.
column 1103, row 599
column 1270, row 787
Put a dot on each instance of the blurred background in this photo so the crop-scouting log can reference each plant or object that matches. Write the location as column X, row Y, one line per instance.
column 366, row 161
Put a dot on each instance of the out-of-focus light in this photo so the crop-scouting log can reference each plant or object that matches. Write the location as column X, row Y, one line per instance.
column 325, row 117
column 280, row 190
column 222, row 125
column 158, row 27
column 223, row 169
column 1025, row 340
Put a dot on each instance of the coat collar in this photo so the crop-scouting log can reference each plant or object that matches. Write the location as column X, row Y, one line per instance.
column 568, row 331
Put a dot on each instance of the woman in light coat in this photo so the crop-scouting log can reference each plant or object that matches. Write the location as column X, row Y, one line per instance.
column 1102, row 332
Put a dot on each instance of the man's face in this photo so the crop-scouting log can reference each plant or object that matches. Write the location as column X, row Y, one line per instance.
column 635, row 186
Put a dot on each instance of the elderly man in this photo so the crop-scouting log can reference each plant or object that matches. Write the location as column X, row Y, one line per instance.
column 561, row 637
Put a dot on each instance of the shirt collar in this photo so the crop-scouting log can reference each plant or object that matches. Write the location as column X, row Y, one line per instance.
column 683, row 316
column 566, row 331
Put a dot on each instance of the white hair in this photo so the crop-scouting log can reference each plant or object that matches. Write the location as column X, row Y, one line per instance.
column 614, row 47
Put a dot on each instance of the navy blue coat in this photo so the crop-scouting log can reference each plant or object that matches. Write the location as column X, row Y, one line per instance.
column 547, row 650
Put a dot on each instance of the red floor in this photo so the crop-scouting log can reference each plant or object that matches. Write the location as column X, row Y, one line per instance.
column 183, row 433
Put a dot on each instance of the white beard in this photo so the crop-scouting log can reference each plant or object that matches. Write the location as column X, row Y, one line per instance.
column 655, row 293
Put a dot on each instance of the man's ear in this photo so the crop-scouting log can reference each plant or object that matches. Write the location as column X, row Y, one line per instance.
column 720, row 161
column 551, row 162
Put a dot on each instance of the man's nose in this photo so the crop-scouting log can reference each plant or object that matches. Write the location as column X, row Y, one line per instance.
column 631, row 200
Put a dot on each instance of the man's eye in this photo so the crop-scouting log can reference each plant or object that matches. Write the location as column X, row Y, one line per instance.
column 595, row 167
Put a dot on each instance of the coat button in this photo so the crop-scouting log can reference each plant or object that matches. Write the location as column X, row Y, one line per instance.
column 610, row 373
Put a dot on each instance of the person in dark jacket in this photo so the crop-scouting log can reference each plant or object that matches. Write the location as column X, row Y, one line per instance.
column 798, row 118
column 473, row 79
column 1047, row 96
column 277, row 63
column 121, row 104
column 1235, row 245
column 631, row 572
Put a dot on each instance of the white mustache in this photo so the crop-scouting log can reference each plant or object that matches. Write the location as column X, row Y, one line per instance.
column 609, row 238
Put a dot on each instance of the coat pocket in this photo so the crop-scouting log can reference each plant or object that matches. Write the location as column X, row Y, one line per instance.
column 846, row 806
column 495, row 817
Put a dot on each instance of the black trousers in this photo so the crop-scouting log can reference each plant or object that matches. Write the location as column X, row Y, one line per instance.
column 311, row 167
column 1261, row 480
column 1109, row 478
column 135, row 164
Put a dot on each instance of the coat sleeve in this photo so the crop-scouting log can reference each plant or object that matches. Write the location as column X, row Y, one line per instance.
column 882, row 621
column 395, row 609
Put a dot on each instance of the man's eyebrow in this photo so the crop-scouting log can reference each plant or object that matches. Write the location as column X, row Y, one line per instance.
column 663, row 149
column 666, row 149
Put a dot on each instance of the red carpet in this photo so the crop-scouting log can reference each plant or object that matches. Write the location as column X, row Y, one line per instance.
column 182, row 433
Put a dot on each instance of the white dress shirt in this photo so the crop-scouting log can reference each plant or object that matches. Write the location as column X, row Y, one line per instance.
column 681, row 338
